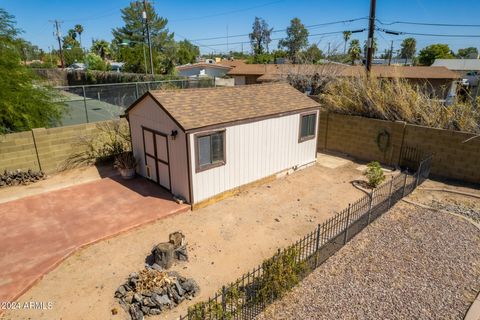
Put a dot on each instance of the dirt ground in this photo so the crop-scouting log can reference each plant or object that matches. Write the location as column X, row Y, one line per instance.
column 224, row 241
column 411, row 263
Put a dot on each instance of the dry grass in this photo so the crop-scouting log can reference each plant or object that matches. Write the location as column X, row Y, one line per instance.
column 397, row 99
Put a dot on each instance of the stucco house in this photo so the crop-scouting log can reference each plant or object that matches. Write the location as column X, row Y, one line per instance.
column 200, row 144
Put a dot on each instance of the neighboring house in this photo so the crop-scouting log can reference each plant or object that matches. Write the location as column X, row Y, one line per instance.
column 393, row 62
column 204, row 143
column 438, row 81
column 469, row 69
column 211, row 70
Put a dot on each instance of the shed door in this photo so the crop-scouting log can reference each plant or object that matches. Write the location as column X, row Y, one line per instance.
column 156, row 157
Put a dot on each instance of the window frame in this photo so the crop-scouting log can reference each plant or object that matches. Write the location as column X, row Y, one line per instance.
column 310, row 137
column 200, row 168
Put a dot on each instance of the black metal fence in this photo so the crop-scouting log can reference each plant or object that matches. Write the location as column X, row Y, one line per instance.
column 99, row 102
column 249, row 295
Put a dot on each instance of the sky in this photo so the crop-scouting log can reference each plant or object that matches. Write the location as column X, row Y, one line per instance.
column 196, row 20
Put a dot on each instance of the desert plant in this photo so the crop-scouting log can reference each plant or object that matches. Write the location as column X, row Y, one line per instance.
column 397, row 99
column 374, row 174
column 111, row 138
column 125, row 160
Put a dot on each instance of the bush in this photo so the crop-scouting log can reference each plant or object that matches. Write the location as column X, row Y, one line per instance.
column 374, row 174
column 397, row 100
column 111, row 139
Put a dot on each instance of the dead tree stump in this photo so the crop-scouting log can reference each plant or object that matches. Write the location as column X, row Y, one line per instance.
column 163, row 254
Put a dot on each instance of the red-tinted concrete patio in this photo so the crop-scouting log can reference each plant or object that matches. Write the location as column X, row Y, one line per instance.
column 38, row 232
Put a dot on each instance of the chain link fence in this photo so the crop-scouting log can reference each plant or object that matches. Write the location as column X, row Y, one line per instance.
column 92, row 103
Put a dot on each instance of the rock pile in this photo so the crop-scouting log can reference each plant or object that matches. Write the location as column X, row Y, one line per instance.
column 17, row 177
column 151, row 291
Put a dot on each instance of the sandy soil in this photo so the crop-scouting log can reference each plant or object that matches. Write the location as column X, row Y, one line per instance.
column 225, row 240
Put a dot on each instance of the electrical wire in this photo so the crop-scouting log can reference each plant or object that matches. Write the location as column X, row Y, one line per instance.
column 274, row 39
column 283, row 30
column 394, row 32
column 227, row 12
column 427, row 24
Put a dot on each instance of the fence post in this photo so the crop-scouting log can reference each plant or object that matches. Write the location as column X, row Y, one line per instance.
column 348, row 222
column 419, row 170
column 85, row 103
column 317, row 245
column 136, row 90
column 224, row 302
column 390, row 193
column 370, row 207
column 404, row 185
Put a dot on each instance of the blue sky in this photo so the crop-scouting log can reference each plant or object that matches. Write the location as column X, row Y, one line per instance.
column 204, row 19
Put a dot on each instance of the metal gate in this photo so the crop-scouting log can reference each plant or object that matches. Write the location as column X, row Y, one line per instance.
column 155, row 146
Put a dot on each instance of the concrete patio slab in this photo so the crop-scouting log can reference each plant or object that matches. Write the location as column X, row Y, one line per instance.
column 38, row 232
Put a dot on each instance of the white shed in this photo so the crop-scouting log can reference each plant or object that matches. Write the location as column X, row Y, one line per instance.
column 202, row 143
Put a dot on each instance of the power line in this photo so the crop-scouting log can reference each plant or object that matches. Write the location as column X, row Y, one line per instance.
column 283, row 30
column 274, row 39
column 394, row 32
column 228, row 12
column 428, row 24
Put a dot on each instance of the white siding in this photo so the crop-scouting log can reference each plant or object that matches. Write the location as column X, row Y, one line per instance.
column 148, row 114
column 253, row 151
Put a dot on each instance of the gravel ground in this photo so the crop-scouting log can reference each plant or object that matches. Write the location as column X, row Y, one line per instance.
column 411, row 263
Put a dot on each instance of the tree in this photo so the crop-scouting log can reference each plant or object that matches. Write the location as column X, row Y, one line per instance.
column 101, row 48
column 346, row 37
column 354, row 50
column 94, row 62
column 467, row 53
column 260, row 36
column 24, row 104
column 435, row 51
column 313, row 54
column 187, row 52
column 134, row 32
column 408, row 49
column 374, row 47
column 296, row 40
column 79, row 30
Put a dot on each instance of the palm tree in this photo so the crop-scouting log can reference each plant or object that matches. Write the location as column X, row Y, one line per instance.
column 409, row 47
column 346, row 37
column 79, row 29
column 354, row 51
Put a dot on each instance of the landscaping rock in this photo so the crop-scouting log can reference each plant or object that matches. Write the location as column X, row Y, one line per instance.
column 17, row 177
column 177, row 239
column 163, row 254
column 152, row 291
column 181, row 253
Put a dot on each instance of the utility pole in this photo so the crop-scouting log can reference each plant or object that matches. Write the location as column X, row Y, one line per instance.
column 145, row 17
column 371, row 31
column 59, row 38
column 328, row 51
column 391, row 53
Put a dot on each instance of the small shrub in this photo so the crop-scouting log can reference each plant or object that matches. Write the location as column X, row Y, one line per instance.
column 374, row 174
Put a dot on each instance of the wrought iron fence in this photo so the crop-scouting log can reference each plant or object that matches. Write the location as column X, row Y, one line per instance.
column 249, row 295
column 99, row 102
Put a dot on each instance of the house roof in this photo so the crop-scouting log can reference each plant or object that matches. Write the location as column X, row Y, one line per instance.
column 458, row 64
column 200, row 108
column 273, row 72
column 203, row 65
column 407, row 72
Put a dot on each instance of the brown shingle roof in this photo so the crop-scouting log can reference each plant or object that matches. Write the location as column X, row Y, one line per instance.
column 203, row 65
column 407, row 72
column 198, row 108
column 272, row 72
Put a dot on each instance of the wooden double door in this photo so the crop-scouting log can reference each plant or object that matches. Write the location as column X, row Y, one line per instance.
column 155, row 145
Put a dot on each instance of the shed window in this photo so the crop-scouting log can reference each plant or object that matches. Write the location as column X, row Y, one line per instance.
column 307, row 126
column 210, row 150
